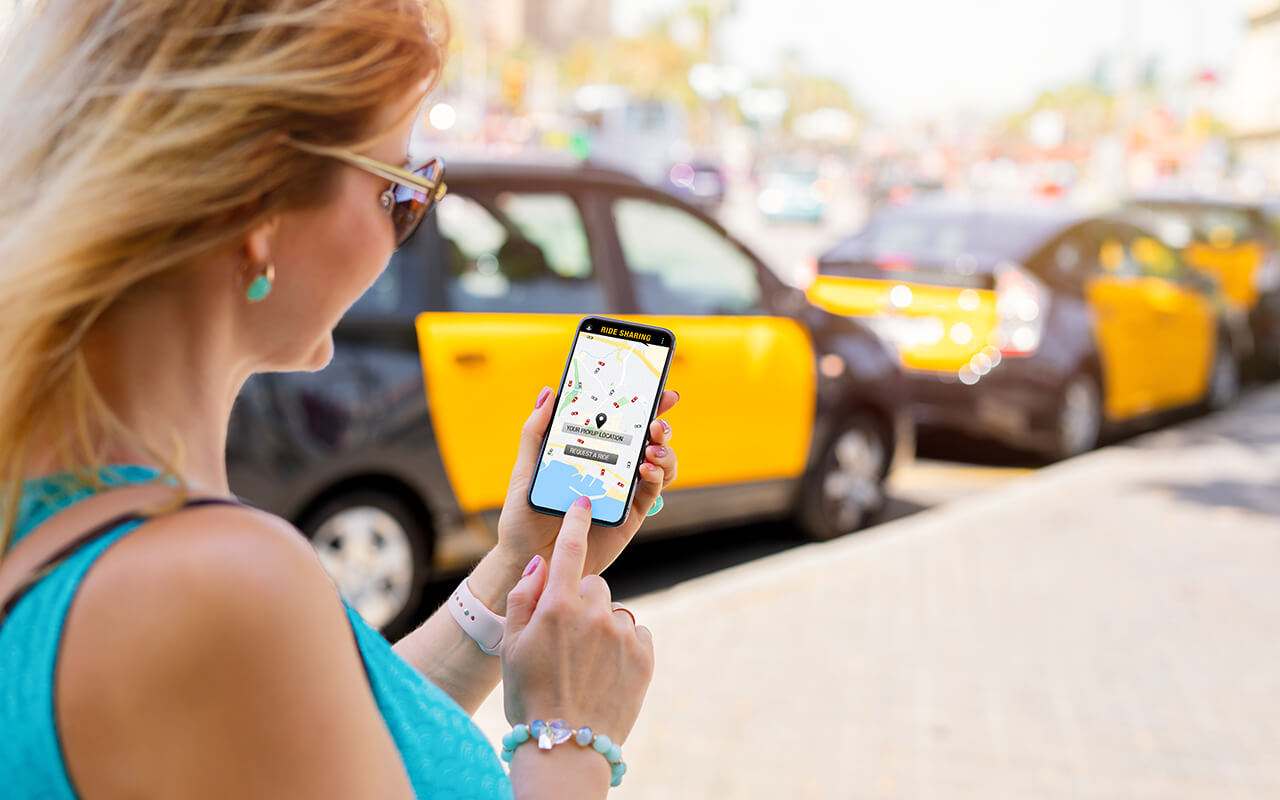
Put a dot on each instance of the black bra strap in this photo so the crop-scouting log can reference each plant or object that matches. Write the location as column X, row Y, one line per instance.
column 64, row 552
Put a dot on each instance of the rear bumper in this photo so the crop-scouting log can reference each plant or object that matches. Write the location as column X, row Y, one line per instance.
column 1014, row 403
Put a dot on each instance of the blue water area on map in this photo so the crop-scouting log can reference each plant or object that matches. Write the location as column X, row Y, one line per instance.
column 555, row 485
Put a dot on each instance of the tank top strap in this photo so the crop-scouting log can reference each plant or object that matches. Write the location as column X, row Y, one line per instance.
column 66, row 551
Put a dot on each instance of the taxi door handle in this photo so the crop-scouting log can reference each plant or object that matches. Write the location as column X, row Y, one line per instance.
column 470, row 359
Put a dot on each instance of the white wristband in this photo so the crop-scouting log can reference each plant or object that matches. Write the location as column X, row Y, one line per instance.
column 476, row 619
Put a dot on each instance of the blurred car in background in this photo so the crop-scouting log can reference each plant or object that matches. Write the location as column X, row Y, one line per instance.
column 1037, row 328
column 1236, row 245
column 792, row 193
column 786, row 409
column 699, row 182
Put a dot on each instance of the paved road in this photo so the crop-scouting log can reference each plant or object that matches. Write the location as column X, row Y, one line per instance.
column 1104, row 628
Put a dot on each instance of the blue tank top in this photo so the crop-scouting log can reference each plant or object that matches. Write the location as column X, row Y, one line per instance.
column 444, row 753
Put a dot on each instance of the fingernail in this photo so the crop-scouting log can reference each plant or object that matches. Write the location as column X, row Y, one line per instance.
column 677, row 394
column 542, row 397
column 533, row 565
column 658, row 452
column 666, row 426
column 582, row 502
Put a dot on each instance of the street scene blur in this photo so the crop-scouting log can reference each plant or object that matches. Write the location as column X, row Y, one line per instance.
column 977, row 312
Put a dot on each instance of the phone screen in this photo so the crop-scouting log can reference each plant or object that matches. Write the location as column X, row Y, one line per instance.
column 600, row 424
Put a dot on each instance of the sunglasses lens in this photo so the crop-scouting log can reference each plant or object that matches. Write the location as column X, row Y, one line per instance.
column 411, row 205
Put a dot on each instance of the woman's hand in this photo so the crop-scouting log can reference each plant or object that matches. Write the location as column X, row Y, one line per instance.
column 567, row 653
column 524, row 533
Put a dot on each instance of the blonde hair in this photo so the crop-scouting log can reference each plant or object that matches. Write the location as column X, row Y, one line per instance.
column 142, row 134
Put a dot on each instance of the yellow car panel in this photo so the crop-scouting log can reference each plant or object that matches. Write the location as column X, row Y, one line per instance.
column 935, row 328
column 747, row 389
column 1235, row 268
column 1122, row 320
column 1182, row 344
column 1156, row 341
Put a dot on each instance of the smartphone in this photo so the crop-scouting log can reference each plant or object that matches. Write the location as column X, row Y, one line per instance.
column 599, row 427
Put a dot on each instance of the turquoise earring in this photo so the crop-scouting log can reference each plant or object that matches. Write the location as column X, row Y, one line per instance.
column 261, row 286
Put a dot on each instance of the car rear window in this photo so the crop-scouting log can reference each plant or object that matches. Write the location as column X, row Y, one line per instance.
column 1180, row 224
column 941, row 249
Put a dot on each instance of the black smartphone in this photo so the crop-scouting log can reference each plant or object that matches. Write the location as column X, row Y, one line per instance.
column 599, row 427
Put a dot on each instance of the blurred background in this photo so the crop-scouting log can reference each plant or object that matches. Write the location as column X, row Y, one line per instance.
column 810, row 114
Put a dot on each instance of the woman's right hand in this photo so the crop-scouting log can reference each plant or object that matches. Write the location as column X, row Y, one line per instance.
column 566, row 653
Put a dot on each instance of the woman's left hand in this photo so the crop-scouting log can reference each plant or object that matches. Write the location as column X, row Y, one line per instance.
column 524, row 533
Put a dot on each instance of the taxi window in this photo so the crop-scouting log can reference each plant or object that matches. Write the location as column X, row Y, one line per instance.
column 1154, row 259
column 681, row 265
column 517, row 252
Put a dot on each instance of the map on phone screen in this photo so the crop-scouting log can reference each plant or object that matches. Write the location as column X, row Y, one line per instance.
column 598, row 427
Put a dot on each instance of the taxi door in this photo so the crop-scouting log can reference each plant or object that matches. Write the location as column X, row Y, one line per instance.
column 747, row 379
column 520, row 272
column 1124, row 328
column 1186, row 329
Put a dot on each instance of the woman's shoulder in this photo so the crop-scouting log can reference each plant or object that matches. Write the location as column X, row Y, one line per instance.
column 199, row 638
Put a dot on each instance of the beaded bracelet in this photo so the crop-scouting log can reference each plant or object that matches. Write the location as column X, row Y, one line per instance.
column 557, row 731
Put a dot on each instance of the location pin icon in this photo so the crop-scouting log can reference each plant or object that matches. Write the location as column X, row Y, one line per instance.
column 600, row 418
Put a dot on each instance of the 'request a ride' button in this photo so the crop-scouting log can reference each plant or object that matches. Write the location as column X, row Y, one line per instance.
column 587, row 452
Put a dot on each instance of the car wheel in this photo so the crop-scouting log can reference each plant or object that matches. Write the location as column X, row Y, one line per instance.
column 377, row 551
column 1224, row 381
column 1078, row 427
column 846, row 489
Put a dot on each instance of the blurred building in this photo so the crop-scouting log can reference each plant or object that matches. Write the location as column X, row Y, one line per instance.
column 1254, row 96
column 550, row 24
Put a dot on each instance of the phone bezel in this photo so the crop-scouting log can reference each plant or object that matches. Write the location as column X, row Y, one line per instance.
column 653, row 414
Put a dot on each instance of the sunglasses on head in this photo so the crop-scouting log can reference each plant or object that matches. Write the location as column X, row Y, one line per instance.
column 412, row 192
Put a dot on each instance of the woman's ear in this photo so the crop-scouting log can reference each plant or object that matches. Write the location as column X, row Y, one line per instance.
column 259, row 239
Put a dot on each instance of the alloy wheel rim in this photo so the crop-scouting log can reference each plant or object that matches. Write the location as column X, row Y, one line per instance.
column 851, row 486
column 1080, row 417
column 367, row 552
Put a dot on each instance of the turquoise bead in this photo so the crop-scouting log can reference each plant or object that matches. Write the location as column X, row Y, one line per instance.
column 614, row 755
column 619, row 769
column 509, row 741
column 507, row 755
column 259, row 289
column 520, row 733
column 602, row 743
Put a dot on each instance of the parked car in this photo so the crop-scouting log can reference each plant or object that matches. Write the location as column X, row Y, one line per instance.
column 1235, row 244
column 1038, row 328
column 786, row 410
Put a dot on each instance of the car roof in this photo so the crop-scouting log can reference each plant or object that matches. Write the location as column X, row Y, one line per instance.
column 549, row 169
column 1035, row 224
column 1193, row 200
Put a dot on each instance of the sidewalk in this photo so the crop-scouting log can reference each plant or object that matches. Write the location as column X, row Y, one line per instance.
column 1106, row 628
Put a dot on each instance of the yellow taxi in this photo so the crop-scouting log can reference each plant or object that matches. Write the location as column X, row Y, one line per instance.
column 396, row 458
column 1234, row 244
column 1040, row 328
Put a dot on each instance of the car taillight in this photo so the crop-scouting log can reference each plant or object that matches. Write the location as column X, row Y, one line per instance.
column 1022, row 304
column 807, row 273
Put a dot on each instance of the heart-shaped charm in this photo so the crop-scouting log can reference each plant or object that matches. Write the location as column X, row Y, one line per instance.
column 556, row 732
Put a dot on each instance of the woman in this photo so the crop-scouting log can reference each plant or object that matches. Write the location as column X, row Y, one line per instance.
column 195, row 191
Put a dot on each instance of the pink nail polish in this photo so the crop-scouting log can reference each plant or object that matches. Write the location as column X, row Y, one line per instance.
column 533, row 565
column 659, row 452
column 542, row 397
column 582, row 502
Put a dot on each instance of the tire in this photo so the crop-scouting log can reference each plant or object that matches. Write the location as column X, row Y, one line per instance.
column 1224, row 380
column 1078, row 423
column 845, row 489
column 377, row 550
